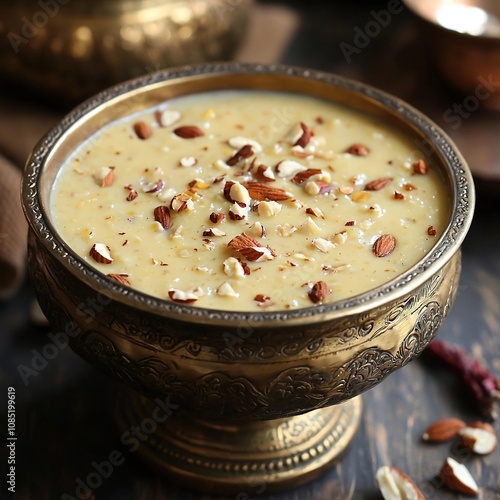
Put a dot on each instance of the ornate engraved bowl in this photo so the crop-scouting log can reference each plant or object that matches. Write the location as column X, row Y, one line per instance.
column 256, row 397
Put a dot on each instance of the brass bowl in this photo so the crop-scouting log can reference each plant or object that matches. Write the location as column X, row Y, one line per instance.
column 466, row 46
column 69, row 50
column 256, row 394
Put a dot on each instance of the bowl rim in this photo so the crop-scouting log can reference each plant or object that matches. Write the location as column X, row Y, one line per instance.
column 460, row 177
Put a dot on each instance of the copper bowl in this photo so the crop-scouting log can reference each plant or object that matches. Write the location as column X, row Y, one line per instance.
column 257, row 395
column 466, row 46
column 69, row 50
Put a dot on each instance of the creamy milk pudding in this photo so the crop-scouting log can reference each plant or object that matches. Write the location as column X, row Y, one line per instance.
column 249, row 200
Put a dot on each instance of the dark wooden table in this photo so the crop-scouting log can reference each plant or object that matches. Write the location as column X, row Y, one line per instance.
column 64, row 407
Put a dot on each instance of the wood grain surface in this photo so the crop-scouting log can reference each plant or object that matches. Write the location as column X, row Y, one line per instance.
column 65, row 413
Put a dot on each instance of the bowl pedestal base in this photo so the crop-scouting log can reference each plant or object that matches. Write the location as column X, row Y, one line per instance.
column 224, row 457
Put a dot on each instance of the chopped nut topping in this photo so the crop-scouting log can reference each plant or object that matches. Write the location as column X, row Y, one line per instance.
column 209, row 245
column 286, row 229
column 133, row 194
column 294, row 134
column 377, row 210
column 251, row 249
column 237, row 193
column 311, row 226
column 188, row 132
column 217, row 217
column 378, row 184
column 157, row 227
column 242, row 153
column 268, row 208
column 316, row 212
column 227, row 191
column 358, row 150
column 162, row 216
column 287, row 168
column 384, row 245
column 120, row 278
column 213, row 231
column 259, row 230
column 142, row 130
column 238, row 142
column 360, row 196
column 340, row 238
column 319, row 292
column 227, row 290
column 106, row 176
column 198, row 184
column 181, row 202
column 264, row 173
column 185, row 296
column 234, row 268
column 188, row 161
column 167, row 117
column 420, row 167
column 101, row 253
column 153, row 187
column 237, row 212
column 323, row 245
column 317, row 187
column 346, row 190
column 301, row 256
column 303, row 175
column 219, row 179
column 305, row 137
column 261, row 298
column 263, row 192
column 299, row 152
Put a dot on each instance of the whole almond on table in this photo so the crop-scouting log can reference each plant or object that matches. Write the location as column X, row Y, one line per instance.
column 457, row 477
column 442, row 430
column 479, row 437
column 396, row 485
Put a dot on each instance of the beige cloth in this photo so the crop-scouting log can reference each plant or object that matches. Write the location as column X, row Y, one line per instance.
column 22, row 125
column 12, row 230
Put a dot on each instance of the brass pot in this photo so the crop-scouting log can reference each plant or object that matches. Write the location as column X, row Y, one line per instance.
column 71, row 49
column 465, row 38
column 258, row 394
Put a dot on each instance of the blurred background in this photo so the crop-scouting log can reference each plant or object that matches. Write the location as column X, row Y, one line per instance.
column 443, row 57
